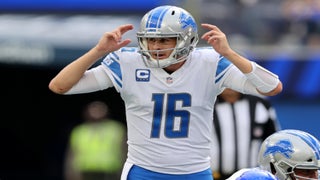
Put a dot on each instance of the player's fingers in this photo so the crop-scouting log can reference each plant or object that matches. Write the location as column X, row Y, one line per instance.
column 208, row 35
column 124, row 28
column 212, row 40
column 124, row 42
column 211, row 27
column 109, row 35
column 117, row 33
column 208, row 26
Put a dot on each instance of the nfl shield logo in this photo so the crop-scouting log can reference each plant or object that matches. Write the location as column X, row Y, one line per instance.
column 169, row 80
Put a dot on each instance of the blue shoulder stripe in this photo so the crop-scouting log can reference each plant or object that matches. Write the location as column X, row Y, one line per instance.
column 223, row 64
column 112, row 62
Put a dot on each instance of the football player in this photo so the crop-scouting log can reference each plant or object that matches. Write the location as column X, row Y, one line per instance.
column 169, row 88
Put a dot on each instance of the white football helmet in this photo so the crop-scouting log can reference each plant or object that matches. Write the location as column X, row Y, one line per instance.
column 257, row 174
column 166, row 22
column 284, row 151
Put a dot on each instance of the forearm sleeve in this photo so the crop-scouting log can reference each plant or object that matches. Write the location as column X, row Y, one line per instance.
column 264, row 80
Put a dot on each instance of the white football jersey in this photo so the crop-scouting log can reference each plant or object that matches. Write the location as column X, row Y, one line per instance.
column 169, row 116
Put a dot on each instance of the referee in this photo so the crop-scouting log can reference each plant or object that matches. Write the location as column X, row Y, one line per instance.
column 241, row 123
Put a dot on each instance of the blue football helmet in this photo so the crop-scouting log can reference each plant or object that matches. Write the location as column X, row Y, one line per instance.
column 167, row 22
column 286, row 151
column 256, row 174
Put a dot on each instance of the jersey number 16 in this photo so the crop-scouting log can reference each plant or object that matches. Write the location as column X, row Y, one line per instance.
column 171, row 114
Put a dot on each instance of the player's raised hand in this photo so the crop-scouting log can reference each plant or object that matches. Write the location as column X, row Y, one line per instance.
column 112, row 41
column 216, row 38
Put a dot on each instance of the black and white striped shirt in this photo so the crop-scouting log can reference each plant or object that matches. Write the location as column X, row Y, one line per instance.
column 240, row 128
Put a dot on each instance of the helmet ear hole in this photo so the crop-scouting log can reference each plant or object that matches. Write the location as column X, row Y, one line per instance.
column 272, row 168
column 191, row 41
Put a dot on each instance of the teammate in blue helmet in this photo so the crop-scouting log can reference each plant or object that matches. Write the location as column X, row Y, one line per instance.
column 169, row 88
column 254, row 174
column 290, row 155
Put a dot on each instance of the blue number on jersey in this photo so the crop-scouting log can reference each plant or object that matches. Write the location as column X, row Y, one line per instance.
column 170, row 114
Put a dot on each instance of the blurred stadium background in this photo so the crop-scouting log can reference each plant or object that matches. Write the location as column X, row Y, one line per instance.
column 38, row 38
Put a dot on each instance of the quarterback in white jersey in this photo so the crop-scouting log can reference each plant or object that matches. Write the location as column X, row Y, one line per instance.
column 169, row 88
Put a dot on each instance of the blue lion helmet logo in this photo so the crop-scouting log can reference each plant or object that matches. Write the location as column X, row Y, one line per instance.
column 283, row 147
column 187, row 21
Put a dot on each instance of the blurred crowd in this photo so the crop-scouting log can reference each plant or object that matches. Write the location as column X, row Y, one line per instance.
column 291, row 26
column 251, row 21
column 263, row 22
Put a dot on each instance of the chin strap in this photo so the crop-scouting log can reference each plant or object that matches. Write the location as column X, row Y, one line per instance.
column 264, row 80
